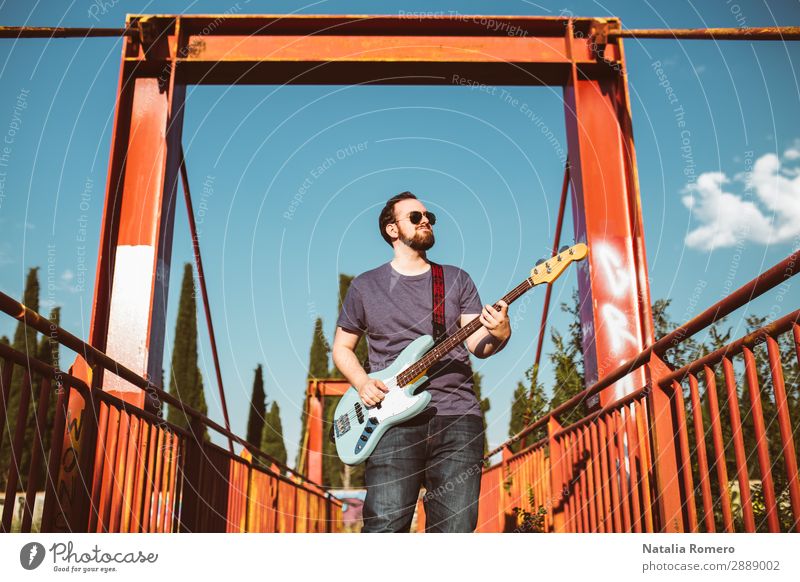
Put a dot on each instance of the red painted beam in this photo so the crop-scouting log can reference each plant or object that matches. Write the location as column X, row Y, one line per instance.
column 614, row 293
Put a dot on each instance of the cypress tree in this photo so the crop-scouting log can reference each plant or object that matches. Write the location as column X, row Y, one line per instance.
column 258, row 409
column 47, row 352
column 361, row 351
column 318, row 357
column 25, row 342
column 272, row 437
column 186, row 383
column 484, row 404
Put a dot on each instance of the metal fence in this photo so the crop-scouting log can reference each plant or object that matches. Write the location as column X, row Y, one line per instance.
column 710, row 446
column 136, row 471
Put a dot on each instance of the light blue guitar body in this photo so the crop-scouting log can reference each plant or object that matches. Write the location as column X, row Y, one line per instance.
column 357, row 428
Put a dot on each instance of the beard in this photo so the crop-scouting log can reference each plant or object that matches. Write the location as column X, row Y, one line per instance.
column 421, row 241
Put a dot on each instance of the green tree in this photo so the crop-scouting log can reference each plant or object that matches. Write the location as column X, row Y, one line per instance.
column 186, row 382
column 258, row 409
column 320, row 350
column 528, row 404
column 361, row 350
column 567, row 361
column 25, row 342
column 484, row 404
column 272, row 437
column 519, row 404
column 48, row 353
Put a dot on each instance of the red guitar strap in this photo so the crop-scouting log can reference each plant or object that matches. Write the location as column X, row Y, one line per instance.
column 439, row 325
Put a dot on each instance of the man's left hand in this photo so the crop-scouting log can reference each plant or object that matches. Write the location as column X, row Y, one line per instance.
column 496, row 321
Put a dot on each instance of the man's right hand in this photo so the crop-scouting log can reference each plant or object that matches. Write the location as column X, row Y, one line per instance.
column 372, row 391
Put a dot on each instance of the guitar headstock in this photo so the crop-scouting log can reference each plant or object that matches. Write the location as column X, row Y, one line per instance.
column 551, row 269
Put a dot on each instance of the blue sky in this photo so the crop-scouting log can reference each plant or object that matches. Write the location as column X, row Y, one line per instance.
column 481, row 164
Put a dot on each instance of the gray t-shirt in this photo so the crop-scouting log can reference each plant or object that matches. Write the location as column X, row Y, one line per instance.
column 394, row 310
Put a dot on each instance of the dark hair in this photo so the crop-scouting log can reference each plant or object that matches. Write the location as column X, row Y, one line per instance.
column 387, row 214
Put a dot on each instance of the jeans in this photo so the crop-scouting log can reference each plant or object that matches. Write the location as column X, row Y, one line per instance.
column 443, row 453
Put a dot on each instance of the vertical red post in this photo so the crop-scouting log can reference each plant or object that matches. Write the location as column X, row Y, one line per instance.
column 666, row 453
column 130, row 295
column 558, row 486
column 315, row 414
column 615, row 295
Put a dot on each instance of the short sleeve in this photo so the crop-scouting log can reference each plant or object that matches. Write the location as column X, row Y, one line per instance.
column 352, row 316
column 470, row 298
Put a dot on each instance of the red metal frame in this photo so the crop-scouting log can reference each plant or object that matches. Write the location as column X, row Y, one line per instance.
column 171, row 52
column 311, row 454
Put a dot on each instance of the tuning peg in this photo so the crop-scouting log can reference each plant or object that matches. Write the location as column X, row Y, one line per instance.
column 540, row 261
column 563, row 248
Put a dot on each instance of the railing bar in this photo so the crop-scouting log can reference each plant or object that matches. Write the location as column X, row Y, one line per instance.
column 580, row 484
column 150, row 476
column 719, row 449
column 16, row 454
column 785, row 424
column 759, row 428
column 598, row 479
column 702, row 458
column 742, row 472
column 686, row 463
column 604, row 474
column 54, row 458
column 623, row 472
column 634, row 456
column 98, row 466
column 581, row 467
column 109, row 467
column 139, row 484
column 174, row 458
column 647, row 464
column 131, row 473
column 614, row 474
column 37, row 453
column 591, row 492
column 120, row 474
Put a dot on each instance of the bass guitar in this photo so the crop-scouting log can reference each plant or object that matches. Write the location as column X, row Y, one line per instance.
column 357, row 428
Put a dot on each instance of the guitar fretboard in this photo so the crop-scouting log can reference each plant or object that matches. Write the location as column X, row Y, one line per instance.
column 437, row 353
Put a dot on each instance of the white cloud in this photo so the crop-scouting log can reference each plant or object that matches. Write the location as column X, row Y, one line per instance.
column 767, row 212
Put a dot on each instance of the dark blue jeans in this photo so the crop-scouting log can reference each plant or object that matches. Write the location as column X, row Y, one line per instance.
column 443, row 453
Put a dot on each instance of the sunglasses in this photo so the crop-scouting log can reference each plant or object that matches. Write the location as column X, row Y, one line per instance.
column 415, row 217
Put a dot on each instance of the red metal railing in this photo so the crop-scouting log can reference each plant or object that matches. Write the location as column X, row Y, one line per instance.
column 138, row 473
column 672, row 455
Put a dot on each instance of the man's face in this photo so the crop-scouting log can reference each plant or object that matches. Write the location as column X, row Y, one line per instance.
column 417, row 236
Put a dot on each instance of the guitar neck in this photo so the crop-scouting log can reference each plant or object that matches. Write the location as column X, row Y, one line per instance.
column 437, row 353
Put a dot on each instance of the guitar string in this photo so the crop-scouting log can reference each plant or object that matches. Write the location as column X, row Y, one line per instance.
column 510, row 297
column 428, row 360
